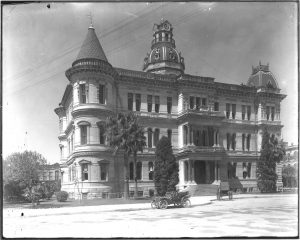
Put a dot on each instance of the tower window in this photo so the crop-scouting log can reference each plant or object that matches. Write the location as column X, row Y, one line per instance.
column 103, row 171
column 170, row 135
column 169, row 104
column 138, row 102
column 272, row 113
column 227, row 110
column 83, row 134
column 156, row 136
column 151, row 170
column 138, row 170
column 130, row 101
column 192, row 102
column 243, row 112
column 149, row 103
column 198, row 103
column 233, row 111
column 157, row 104
column 149, row 138
column 268, row 112
column 82, row 93
column 216, row 106
column 101, row 133
column 101, row 94
column 248, row 112
column 85, row 172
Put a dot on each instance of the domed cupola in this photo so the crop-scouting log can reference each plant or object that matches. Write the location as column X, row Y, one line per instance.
column 163, row 57
column 91, row 56
column 262, row 78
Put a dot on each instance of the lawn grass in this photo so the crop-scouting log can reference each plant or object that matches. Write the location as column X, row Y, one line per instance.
column 53, row 203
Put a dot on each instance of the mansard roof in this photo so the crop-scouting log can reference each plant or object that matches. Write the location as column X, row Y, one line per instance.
column 91, row 47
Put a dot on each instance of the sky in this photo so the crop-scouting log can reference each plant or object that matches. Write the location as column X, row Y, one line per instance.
column 220, row 40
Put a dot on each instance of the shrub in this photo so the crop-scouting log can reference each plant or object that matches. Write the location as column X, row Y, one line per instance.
column 62, row 196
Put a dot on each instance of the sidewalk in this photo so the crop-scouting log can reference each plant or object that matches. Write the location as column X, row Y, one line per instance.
column 17, row 212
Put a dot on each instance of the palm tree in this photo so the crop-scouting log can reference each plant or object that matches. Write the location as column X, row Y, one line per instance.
column 124, row 132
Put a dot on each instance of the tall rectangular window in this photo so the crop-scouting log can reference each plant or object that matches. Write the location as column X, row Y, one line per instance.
column 233, row 141
column 185, row 135
column 203, row 102
column 198, row 102
column 56, row 175
column 272, row 113
column 243, row 141
column 138, row 102
column 228, row 141
column 149, row 103
column 156, row 136
column 170, row 135
column 157, row 104
column 101, row 133
column 192, row 104
column 248, row 112
column 169, row 104
column 84, row 172
column 249, row 170
column 101, row 93
column 83, row 134
column 227, row 110
column 248, row 141
column 130, row 101
column 82, row 93
column 243, row 112
column 233, row 111
column 268, row 112
column 103, row 171
column 216, row 106
column 149, row 138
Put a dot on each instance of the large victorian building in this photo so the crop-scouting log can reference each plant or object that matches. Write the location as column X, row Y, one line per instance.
column 215, row 128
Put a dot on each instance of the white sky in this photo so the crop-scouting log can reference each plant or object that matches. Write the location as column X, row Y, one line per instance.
column 220, row 40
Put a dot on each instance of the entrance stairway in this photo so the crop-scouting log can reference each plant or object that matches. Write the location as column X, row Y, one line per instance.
column 202, row 190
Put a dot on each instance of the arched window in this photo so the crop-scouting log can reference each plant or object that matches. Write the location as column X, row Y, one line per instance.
column 151, row 170
column 131, row 171
column 139, row 170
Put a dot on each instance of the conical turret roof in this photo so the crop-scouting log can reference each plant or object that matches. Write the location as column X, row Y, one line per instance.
column 91, row 47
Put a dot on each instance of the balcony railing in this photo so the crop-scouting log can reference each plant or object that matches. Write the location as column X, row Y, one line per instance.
column 202, row 111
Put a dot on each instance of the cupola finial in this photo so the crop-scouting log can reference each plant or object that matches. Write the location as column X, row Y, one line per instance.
column 91, row 20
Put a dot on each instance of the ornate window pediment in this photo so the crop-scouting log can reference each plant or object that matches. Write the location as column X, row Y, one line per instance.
column 83, row 123
column 83, row 161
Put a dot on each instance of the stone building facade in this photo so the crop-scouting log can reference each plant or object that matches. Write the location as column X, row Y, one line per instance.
column 215, row 128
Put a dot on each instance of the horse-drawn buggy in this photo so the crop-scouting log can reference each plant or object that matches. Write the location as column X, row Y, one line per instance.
column 179, row 199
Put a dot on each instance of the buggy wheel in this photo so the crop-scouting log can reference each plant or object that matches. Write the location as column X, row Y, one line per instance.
column 163, row 204
column 153, row 204
column 186, row 203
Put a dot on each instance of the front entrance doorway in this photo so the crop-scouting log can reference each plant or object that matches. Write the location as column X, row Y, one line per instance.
column 200, row 172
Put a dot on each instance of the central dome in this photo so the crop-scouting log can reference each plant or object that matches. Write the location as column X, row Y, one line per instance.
column 163, row 57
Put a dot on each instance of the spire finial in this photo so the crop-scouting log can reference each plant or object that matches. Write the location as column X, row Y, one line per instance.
column 90, row 15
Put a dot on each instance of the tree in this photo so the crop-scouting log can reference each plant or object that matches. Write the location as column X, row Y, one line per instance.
column 165, row 167
column 271, row 153
column 21, row 170
column 124, row 132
